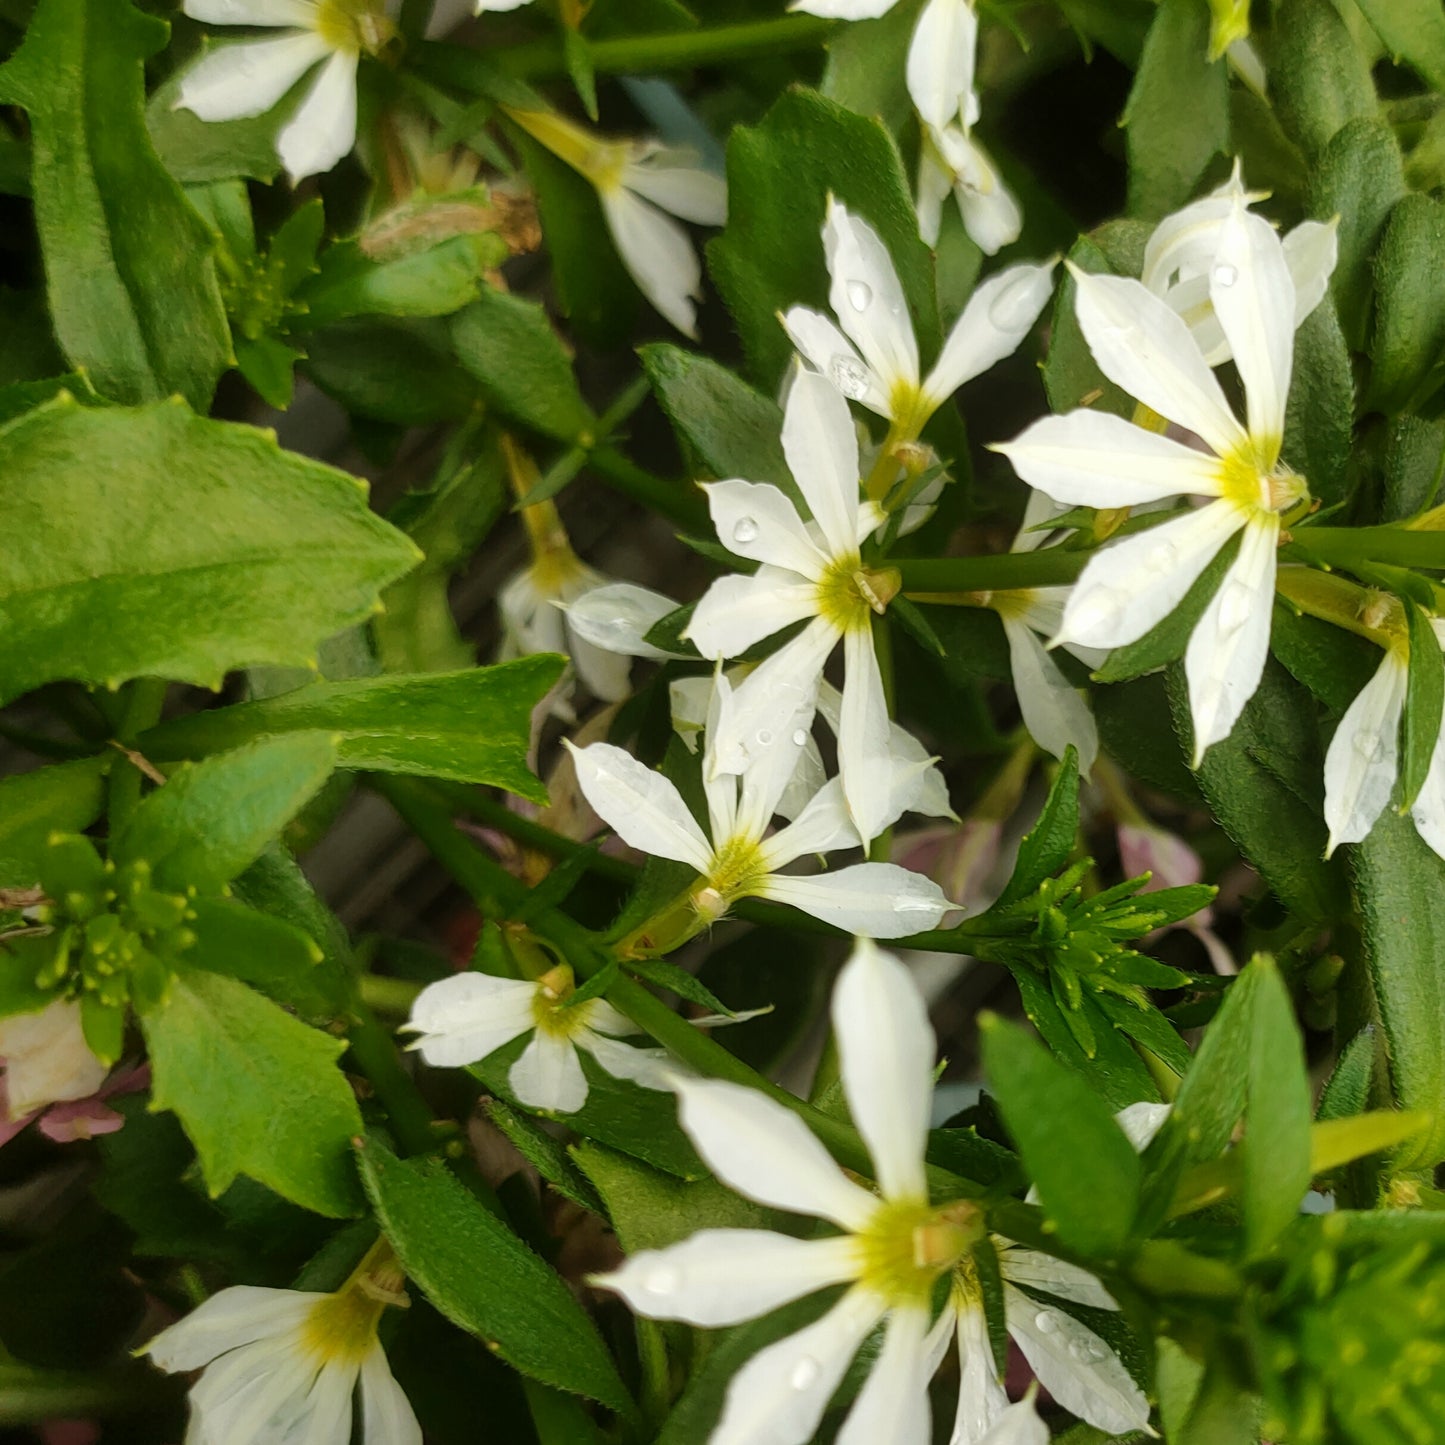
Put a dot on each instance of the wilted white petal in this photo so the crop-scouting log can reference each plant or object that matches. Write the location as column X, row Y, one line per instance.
column 301, row 13
column 821, row 448
column 1141, row 1122
column 779, row 1396
column 823, row 826
column 247, row 78
column 1311, row 251
column 1428, row 811
column 867, row 297
column 982, row 1399
column 323, row 128
column 466, row 1017
column 1054, row 1276
column 658, row 255
column 1096, row 459
column 1141, row 345
column 940, row 59
column 1128, row 587
column 893, row 1403
column 757, row 521
column 1054, row 712
column 1225, row 657
column 831, row 354
column 672, row 179
column 999, row 314
column 876, row 900
column 1075, row 1366
column 548, row 1074
column 228, row 1320
column 1363, row 757
column 641, row 806
column 650, row 1068
column 1017, row 1425
column 386, row 1414
column 1254, row 299
column 46, row 1058
column 735, row 612
column 935, row 181
column 886, row 1048
column 617, row 618
column 991, row 215
column 723, row 1276
column 864, row 730
column 764, row 1151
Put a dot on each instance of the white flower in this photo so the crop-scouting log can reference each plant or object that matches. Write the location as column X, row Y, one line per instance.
column 642, row 185
column 844, row 9
column 249, row 77
column 1180, row 254
column 46, row 1059
column 1099, row 460
column 876, row 362
column 617, row 616
column 648, row 812
column 281, row 1367
column 940, row 82
column 464, row 1018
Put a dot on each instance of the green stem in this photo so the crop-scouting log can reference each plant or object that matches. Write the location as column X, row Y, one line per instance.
column 30, row 1395
column 677, row 501
column 373, row 1051
column 656, row 1393
column 141, row 710
column 388, row 995
column 990, row 574
column 1394, row 546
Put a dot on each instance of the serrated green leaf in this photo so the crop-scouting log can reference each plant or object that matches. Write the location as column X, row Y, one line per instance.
column 484, row 1279
column 547, row 1155
column 867, row 65
column 106, row 578
column 1413, row 31
column 1046, row 846
column 22, row 396
column 213, row 819
column 470, row 727
column 1084, row 1167
column 1319, row 416
column 1347, row 1090
column 270, row 954
column 197, row 151
column 65, row 798
column 258, row 1092
column 1424, row 701
column 133, row 291
column 1409, row 333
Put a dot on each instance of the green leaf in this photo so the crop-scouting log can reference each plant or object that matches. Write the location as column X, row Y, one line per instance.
column 1409, row 311
column 258, row 1092
column 268, row 953
column 867, row 65
column 470, row 727
column 1318, row 79
column 107, row 578
column 22, row 396
column 1401, row 888
column 509, row 346
column 1318, row 418
column 347, row 282
column 1424, row 700
column 1411, row 466
column 484, row 1279
column 197, row 151
column 770, row 256
column 1127, row 715
column 132, row 283
column 1177, row 118
column 1083, row 1165
column 1046, row 846
column 548, row 1156
column 1332, row 663
column 213, row 819
column 1347, row 1090
column 1413, row 31
column 725, row 427
column 65, row 798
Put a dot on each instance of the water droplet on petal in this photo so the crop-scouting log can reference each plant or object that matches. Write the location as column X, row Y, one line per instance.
column 860, row 295
column 1046, row 1322
column 1097, row 610
column 1017, row 304
column 1163, row 558
column 800, row 737
column 1370, row 746
column 765, row 738
column 1235, row 607
column 662, row 1280
column 1087, row 1350
column 745, row 530
column 804, row 1374
column 849, row 375
column 1224, row 274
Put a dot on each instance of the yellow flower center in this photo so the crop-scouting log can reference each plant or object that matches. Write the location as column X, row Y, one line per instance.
column 354, row 25
column 849, row 592
column 1011, row 602
column 1252, row 478
column 909, row 1244
column 549, row 1009
column 737, row 868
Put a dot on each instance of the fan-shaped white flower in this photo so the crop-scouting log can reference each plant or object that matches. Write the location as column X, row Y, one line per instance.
column 739, row 861
column 642, row 185
column 876, row 361
column 1180, row 255
column 46, row 1059
column 249, row 77
column 462, row 1019
column 281, row 1365
column 1095, row 459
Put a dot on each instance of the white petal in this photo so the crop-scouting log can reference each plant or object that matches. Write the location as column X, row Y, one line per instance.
column 736, row 612
column 301, row 13
column 874, row 900
column 935, row 181
column 1054, row 1276
column 641, row 806
column 1141, row 345
column 724, row 1276
column 670, row 178
column 658, row 255
column 766, row 1152
column 548, row 1075
column 386, row 1414
column 892, row 1406
column 466, row 1017
column 821, row 448
column 822, row 827
column 257, row 1394
column 326, row 1412
column 1096, row 459
column 757, row 521
column 1254, row 299
column 982, row 1399
column 779, row 1396
column 991, row 215
column 1310, row 252
column 249, row 77
column 1127, row 588
column 323, row 129
column 867, row 298
column 999, row 314
column 1428, row 811
column 1075, row 1366
column 1225, row 657
column 618, row 617
column 606, row 674
column 1017, row 1425
column 1363, row 757
column 773, row 755
column 864, row 734
column 832, row 355
column 808, row 780
column 228, row 1320
column 1142, row 1121
column 648, row 1068
column 844, row 9
column 1053, row 710
column 886, row 1050
column 940, row 59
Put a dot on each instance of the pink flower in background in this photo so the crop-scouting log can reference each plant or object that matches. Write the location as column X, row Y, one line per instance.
column 1174, row 864
column 74, row 1119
